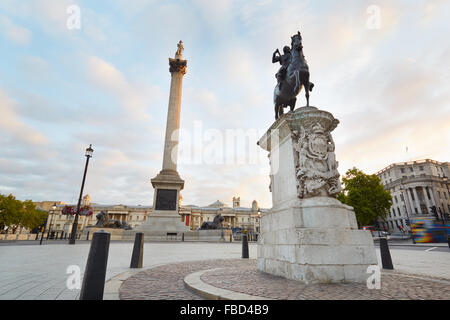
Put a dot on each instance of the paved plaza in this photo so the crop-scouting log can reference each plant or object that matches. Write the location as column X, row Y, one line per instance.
column 31, row 272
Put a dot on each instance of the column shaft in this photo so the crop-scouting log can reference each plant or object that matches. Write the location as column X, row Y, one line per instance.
column 173, row 123
column 417, row 201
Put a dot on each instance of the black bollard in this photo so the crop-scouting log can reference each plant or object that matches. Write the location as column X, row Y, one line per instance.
column 138, row 251
column 62, row 235
column 182, row 237
column 87, row 237
column 244, row 247
column 385, row 254
column 231, row 237
column 95, row 273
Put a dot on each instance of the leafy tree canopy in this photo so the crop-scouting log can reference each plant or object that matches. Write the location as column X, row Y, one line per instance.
column 366, row 195
column 15, row 213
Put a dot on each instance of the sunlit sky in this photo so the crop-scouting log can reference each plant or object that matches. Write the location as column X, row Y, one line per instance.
column 107, row 84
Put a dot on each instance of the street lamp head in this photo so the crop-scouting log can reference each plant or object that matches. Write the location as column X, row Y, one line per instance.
column 54, row 206
column 89, row 151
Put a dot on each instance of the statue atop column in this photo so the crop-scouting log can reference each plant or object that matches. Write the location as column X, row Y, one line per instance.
column 292, row 76
column 179, row 53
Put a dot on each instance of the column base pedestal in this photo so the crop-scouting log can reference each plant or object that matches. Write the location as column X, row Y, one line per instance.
column 315, row 240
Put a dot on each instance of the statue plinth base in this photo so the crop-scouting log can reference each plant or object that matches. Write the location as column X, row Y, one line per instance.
column 165, row 217
column 308, row 235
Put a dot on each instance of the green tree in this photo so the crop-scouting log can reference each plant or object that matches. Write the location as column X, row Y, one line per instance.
column 15, row 214
column 366, row 195
column 9, row 211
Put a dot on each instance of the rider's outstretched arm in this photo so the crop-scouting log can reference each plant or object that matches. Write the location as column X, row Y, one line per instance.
column 276, row 58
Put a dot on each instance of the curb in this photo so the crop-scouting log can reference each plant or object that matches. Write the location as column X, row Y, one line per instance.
column 194, row 283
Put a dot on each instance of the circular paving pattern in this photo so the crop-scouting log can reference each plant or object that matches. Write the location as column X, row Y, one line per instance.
column 240, row 275
column 166, row 282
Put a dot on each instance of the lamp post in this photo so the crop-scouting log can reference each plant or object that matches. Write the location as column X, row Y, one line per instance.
column 89, row 152
column 50, row 225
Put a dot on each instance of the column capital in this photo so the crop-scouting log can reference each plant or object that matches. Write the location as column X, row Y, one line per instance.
column 177, row 65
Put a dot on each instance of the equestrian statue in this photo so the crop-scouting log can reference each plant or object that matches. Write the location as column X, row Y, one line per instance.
column 292, row 76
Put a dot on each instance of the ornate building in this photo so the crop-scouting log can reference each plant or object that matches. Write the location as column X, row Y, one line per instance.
column 416, row 187
column 192, row 215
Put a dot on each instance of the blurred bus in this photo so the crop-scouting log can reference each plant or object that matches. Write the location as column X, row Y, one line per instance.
column 427, row 230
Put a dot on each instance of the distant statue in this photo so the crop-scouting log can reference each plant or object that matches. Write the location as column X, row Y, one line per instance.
column 103, row 221
column 180, row 49
column 213, row 225
column 292, row 76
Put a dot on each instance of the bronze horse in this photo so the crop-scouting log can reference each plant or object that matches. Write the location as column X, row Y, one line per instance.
column 297, row 77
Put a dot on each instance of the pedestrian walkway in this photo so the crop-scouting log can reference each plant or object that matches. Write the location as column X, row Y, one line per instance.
column 239, row 279
column 40, row 272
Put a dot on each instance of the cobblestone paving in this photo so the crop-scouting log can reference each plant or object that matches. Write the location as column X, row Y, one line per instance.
column 166, row 282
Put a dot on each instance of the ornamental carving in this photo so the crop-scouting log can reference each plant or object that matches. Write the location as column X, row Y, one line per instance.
column 315, row 161
column 177, row 65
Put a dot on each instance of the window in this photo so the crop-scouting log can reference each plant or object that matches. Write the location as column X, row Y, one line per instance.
column 396, row 200
column 421, row 168
column 401, row 197
column 402, row 170
column 411, row 169
column 398, row 210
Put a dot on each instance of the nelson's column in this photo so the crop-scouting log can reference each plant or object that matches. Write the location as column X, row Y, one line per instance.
column 168, row 184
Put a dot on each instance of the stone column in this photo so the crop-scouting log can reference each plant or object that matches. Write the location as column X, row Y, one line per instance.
column 432, row 197
column 411, row 203
column 426, row 198
column 417, row 201
column 165, row 216
column 178, row 70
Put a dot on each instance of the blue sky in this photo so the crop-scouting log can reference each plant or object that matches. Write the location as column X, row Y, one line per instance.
column 108, row 84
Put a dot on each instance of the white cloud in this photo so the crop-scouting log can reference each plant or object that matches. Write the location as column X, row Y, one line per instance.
column 18, row 34
column 12, row 125
column 135, row 99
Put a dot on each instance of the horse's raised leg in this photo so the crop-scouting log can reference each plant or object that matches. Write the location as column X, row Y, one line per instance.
column 276, row 112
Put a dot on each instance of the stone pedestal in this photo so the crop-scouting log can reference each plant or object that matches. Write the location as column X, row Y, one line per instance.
column 308, row 235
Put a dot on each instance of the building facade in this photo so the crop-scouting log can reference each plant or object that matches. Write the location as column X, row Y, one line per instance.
column 416, row 187
column 192, row 215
